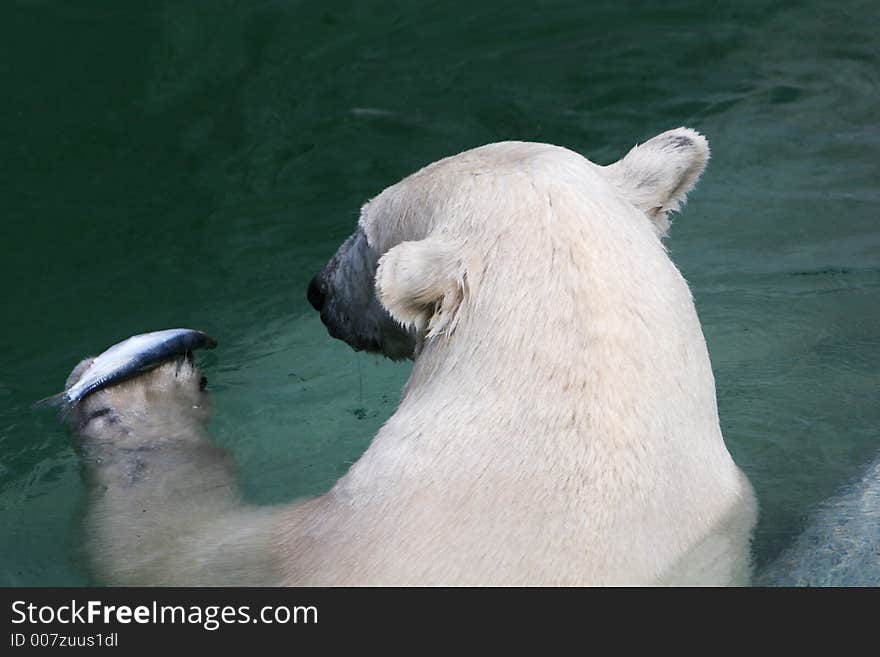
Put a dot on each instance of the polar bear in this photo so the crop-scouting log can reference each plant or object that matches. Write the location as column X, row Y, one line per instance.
column 559, row 426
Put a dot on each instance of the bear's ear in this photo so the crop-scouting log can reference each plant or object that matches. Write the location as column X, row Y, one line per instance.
column 423, row 284
column 657, row 175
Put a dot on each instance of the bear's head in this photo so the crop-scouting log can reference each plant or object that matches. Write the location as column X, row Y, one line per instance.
column 414, row 264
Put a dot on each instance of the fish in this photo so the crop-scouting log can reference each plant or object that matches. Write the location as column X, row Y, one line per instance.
column 137, row 354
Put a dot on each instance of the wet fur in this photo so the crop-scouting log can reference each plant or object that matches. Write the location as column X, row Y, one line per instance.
column 559, row 426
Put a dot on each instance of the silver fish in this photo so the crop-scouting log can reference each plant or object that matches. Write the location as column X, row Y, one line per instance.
column 125, row 359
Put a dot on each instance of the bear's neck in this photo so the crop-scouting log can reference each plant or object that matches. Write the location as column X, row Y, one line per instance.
column 624, row 364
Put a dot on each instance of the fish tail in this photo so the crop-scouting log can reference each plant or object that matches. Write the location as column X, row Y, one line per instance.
column 59, row 401
column 55, row 401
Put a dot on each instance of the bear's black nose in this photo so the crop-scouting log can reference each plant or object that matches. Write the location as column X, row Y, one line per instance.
column 316, row 294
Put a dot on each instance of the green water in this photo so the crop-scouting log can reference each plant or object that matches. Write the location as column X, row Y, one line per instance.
column 171, row 163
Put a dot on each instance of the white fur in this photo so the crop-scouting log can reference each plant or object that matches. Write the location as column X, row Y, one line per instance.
column 656, row 176
column 559, row 425
column 422, row 284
